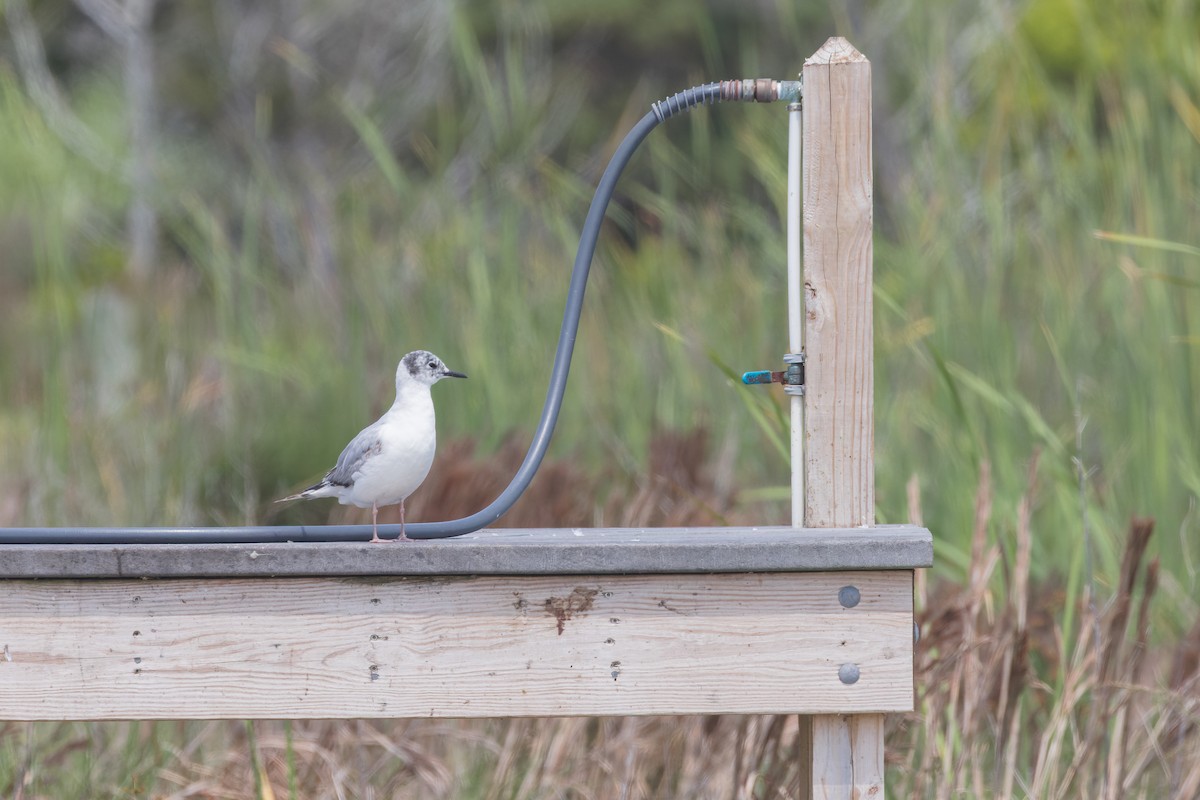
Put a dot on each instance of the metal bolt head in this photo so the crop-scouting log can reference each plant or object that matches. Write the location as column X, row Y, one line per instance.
column 849, row 596
column 848, row 674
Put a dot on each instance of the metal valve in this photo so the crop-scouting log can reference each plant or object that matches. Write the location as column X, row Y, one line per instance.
column 792, row 376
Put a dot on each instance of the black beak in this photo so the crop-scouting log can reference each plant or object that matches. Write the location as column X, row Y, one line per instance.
column 452, row 374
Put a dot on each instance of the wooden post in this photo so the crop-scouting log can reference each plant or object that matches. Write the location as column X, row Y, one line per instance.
column 837, row 282
column 847, row 751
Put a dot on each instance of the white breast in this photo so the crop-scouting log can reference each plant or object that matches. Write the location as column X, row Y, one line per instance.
column 408, row 438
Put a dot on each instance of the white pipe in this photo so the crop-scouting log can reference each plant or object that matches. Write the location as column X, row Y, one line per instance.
column 795, row 306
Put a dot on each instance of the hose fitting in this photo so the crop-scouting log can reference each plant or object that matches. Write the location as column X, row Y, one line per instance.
column 757, row 90
column 760, row 90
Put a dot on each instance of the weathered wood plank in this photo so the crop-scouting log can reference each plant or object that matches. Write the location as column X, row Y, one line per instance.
column 453, row 647
column 839, row 373
column 500, row 551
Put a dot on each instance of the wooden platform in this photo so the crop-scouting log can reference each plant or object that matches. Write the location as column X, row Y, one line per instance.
column 502, row 623
column 501, row 551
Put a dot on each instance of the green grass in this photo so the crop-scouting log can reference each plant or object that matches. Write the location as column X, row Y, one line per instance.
column 1035, row 326
column 287, row 291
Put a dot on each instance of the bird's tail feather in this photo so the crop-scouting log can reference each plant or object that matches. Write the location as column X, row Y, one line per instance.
column 305, row 494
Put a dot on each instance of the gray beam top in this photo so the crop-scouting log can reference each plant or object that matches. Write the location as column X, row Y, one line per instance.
column 498, row 551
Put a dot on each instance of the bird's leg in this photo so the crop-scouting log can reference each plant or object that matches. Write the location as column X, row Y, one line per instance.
column 375, row 523
column 402, row 537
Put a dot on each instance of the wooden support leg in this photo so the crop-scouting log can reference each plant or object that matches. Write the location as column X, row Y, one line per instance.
column 842, row 757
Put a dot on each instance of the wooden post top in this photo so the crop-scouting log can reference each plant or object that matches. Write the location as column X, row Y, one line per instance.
column 836, row 50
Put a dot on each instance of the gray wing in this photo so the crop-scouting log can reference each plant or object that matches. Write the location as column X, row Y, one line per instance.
column 360, row 449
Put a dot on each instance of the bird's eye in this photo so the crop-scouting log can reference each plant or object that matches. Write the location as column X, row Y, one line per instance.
column 432, row 365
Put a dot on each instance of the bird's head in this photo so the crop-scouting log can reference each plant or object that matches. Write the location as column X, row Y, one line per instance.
column 422, row 366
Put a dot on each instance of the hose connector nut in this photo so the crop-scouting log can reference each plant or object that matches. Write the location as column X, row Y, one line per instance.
column 759, row 90
column 793, row 383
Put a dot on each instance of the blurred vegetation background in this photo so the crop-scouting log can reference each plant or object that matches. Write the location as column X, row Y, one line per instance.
column 223, row 223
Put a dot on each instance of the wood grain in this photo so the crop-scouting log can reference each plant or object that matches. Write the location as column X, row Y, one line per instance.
column 452, row 647
column 839, row 403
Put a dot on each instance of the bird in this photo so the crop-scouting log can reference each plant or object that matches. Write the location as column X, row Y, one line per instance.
column 390, row 458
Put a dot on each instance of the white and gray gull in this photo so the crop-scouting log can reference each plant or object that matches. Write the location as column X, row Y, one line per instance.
column 389, row 459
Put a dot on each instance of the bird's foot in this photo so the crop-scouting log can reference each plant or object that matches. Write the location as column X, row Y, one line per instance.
column 375, row 538
column 402, row 538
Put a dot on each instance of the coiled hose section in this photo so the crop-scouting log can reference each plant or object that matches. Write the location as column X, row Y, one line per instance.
column 659, row 112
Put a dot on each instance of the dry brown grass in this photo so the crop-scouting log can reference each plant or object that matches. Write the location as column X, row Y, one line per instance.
column 1010, row 701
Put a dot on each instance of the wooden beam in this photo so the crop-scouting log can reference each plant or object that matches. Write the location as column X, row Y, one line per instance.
column 453, row 647
column 839, row 374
